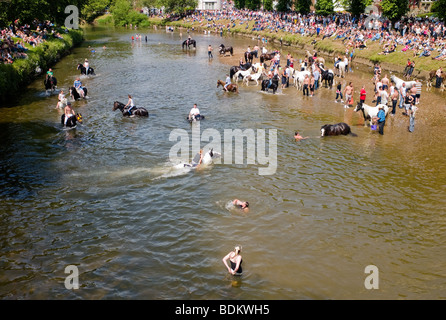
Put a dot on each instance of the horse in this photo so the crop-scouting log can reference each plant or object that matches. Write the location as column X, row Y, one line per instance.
column 299, row 78
column 234, row 69
column 231, row 87
column 71, row 121
column 194, row 118
column 340, row 68
column 274, row 84
column 81, row 67
column 249, row 56
column 369, row 112
column 50, row 83
column 242, row 73
column 222, row 49
column 130, row 112
column 254, row 77
column 267, row 56
column 398, row 82
column 336, row 129
column 327, row 76
column 208, row 159
column 188, row 43
column 311, row 59
column 74, row 93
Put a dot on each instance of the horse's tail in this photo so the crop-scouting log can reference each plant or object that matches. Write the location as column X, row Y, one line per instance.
column 262, row 59
column 353, row 134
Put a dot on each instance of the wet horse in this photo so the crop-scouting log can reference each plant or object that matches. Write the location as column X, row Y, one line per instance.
column 336, row 129
column 222, row 49
column 231, row 87
column 83, row 70
column 187, row 43
column 274, row 84
column 249, row 56
column 130, row 112
column 267, row 56
column 75, row 94
column 71, row 121
column 50, row 83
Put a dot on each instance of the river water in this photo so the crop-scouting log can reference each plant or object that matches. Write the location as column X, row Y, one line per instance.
column 105, row 198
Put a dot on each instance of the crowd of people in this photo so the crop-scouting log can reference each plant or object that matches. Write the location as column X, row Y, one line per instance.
column 15, row 38
column 424, row 37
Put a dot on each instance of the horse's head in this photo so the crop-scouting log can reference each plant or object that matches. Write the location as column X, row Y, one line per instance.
column 117, row 105
column 323, row 128
column 79, row 117
column 219, row 83
column 359, row 106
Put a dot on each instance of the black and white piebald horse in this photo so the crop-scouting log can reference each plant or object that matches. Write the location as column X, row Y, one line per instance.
column 273, row 85
column 84, row 70
column 187, row 43
column 336, row 129
column 74, row 93
column 130, row 112
column 222, row 49
column 71, row 121
column 242, row 67
column 327, row 75
column 50, row 83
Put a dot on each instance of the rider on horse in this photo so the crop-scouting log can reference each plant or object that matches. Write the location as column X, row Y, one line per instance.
column 78, row 86
column 131, row 104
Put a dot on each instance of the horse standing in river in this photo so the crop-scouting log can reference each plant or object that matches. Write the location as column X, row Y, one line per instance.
column 222, row 49
column 50, row 83
column 71, row 121
column 187, row 43
column 84, row 70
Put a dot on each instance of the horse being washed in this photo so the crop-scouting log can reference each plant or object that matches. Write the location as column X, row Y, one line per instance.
column 130, row 112
column 336, row 129
column 84, row 70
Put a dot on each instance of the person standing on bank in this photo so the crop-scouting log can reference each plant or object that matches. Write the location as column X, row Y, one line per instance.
column 235, row 259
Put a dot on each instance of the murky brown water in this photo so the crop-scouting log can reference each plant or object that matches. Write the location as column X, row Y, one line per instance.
column 104, row 196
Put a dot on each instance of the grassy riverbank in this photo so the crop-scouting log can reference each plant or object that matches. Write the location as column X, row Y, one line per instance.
column 393, row 62
column 14, row 77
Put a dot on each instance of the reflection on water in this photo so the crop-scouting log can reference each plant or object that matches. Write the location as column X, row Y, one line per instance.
column 106, row 198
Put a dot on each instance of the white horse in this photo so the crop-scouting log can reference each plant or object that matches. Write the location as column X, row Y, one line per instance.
column 242, row 73
column 340, row 70
column 398, row 82
column 253, row 77
column 299, row 77
column 369, row 112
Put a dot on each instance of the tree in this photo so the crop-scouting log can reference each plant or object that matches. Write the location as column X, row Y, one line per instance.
column 394, row 9
column 93, row 9
column 356, row 7
column 239, row 4
column 253, row 4
column 439, row 7
column 268, row 5
column 120, row 10
column 302, row 6
column 324, row 7
column 179, row 6
column 283, row 5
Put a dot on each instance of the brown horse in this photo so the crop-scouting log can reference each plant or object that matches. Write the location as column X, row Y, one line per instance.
column 231, row 88
column 432, row 75
column 266, row 56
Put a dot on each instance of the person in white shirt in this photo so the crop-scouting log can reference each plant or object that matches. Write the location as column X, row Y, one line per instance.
column 194, row 112
column 130, row 104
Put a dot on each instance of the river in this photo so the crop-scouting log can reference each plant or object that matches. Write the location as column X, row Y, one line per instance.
column 104, row 197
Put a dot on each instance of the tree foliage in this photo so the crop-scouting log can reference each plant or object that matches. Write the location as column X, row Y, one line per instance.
column 439, row 7
column 302, row 6
column 356, row 7
column 394, row 9
column 283, row 5
column 324, row 7
column 178, row 6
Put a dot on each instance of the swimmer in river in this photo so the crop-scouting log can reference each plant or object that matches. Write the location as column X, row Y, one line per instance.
column 235, row 259
column 298, row 137
column 244, row 205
